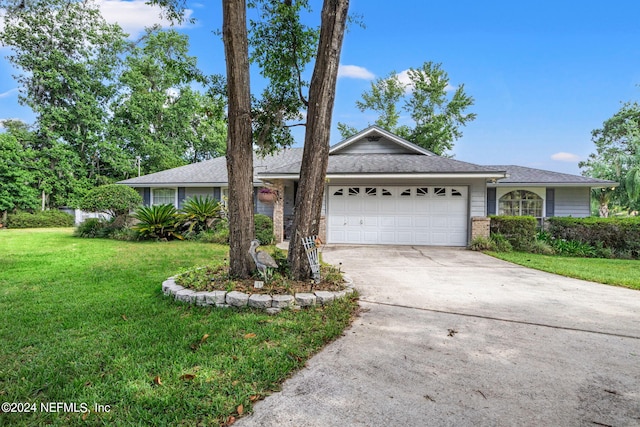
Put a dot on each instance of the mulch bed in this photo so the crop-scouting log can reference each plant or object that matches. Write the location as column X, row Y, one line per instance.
column 217, row 279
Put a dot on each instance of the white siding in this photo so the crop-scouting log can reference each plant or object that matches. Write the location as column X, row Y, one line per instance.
column 573, row 202
column 382, row 146
column 478, row 196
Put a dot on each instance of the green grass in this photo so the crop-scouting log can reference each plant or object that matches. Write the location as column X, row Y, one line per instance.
column 616, row 272
column 85, row 321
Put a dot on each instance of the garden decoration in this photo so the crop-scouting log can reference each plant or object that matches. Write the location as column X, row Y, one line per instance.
column 263, row 260
column 311, row 245
column 267, row 195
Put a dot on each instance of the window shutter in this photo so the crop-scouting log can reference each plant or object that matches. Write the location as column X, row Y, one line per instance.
column 551, row 202
column 146, row 196
column 217, row 194
column 181, row 196
column 491, row 201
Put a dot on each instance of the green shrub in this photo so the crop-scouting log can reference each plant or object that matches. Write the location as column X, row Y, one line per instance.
column 114, row 199
column 501, row 243
column 125, row 234
column 619, row 235
column 40, row 219
column 520, row 231
column 157, row 222
column 264, row 229
column 199, row 214
column 541, row 247
column 91, row 228
column 482, row 243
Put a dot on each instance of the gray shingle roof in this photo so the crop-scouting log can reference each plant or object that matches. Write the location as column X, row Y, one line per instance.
column 287, row 162
column 212, row 171
column 388, row 164
column 525, row 175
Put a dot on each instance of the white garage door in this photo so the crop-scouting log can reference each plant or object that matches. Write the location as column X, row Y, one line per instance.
column 431, row 215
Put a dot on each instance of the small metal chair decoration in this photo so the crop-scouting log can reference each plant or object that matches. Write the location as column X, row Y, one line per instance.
column 311, row 245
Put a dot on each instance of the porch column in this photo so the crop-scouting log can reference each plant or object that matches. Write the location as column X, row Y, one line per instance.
column 278, row 211
column 480, row 227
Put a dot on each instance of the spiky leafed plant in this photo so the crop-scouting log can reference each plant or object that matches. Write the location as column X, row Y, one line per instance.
column 200, row 214
column 157, row 222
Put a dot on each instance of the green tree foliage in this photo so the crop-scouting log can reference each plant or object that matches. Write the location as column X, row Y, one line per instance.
column 113, row 199
column 282, row 46
column 99, row 105
column 437, row 110
column 16, row 181
column 617, row 158
column 158, row 115
column 67, row 55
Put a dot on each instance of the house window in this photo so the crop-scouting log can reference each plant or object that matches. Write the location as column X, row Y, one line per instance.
column 440, row 191
column 455, row 193
column 422, row 191
column 371, row 191
column 164, row 196
column 339, row 192
column 521, row 203
column 386, row 192
column 354, row 191
column 406, row 192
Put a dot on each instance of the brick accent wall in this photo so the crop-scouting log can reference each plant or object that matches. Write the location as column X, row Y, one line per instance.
column 278, row 212
column 322, row 230
column 480, row 227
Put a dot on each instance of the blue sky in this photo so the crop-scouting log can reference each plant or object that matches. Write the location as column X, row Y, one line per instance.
column 543, row 74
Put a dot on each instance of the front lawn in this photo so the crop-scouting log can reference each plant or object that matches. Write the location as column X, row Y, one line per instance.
column 84, row 322
column 609, row 271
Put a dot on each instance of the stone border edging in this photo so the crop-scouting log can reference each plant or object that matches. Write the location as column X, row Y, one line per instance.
column 272, row 304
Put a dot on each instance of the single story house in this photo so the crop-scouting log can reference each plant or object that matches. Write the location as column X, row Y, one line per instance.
column 382, row 189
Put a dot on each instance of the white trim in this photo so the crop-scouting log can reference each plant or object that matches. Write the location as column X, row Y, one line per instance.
column 440, row 175
column 178, row 184
column 395, row 138
column 551, row 184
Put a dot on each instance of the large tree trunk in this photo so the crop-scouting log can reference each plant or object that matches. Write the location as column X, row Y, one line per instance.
column 316, row 142
column 239, row 142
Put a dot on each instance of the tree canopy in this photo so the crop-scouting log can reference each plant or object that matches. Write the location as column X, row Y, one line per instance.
column 101, row 101
column 437, row 110
column 617, row 158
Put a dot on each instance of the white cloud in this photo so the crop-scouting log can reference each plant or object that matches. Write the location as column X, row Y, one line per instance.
column 9, row 93
column 134, row 16
column 355, row 72
column 565, row 157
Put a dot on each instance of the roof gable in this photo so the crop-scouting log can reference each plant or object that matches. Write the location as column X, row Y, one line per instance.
column 375, row 140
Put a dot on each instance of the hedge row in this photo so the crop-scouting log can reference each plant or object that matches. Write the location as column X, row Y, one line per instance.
column 520, row 231
column 618, row 234
column 40, row 219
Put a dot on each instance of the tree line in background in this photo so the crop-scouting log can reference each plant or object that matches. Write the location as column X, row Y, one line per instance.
column 105, row 108
column 617, row 158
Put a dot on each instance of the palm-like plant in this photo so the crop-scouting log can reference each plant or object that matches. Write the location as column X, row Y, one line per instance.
column 157, row 222
column 200, row 214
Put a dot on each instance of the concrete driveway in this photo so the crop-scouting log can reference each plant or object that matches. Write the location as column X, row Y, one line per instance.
column 450, row 337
